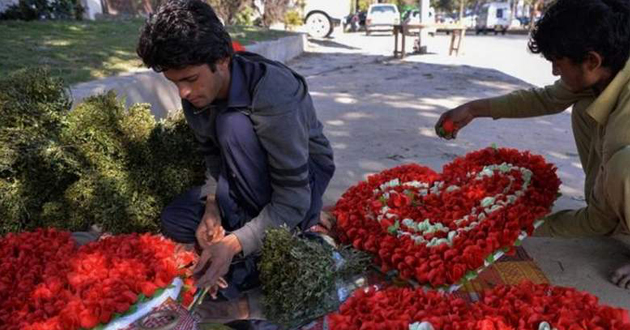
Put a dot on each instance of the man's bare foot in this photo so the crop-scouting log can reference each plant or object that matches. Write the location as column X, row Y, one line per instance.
column 621, row 277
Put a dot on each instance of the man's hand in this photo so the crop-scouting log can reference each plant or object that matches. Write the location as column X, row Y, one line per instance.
column 217, row 259
column 210, row 230
column 454, row 120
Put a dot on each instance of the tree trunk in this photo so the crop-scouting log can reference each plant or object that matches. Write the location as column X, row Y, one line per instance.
column 148, row 8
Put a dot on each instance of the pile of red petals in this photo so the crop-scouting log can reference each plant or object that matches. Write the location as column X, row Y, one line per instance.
column 463, row 187
column 523, row 306
column 47, row 283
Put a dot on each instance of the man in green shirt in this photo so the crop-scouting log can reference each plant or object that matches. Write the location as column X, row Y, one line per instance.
column 588, row 44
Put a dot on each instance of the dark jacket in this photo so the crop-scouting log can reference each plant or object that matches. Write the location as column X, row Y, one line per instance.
column 277, row 101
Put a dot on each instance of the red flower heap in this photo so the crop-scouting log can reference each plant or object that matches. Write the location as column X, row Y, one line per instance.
column 437, row 227
column 47, row 283
column 524, row 306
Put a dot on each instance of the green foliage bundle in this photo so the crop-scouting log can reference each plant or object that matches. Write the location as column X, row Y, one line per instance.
column 299, row 276
column 34, row 163
column 98, row 164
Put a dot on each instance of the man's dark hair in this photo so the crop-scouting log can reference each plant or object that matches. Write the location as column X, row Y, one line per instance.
column 183, row 33
column 572, row 28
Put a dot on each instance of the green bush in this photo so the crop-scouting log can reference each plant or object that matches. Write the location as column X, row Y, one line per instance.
column 29, row 10
column 293, row 18
column 98, row 164
column 244, row 17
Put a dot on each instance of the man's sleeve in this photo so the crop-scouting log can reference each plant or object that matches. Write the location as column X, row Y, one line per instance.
column 212, row 159
column 608, row 210
column 535, row 102
column 213, row 163
column 284, row 134
column 209, row 150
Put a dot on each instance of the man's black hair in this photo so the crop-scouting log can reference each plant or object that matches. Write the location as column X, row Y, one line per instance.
column 572, row 28
column 183, row 33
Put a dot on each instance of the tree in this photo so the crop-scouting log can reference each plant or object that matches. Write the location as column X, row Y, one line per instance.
column 274, row 11
column 363, row 5
column 229, row 9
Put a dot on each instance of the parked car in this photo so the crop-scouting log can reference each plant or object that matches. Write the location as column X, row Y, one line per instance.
column 412, row 17
column 444, row 19
column 321, row 16
column 382, row 16
column 493, row 16
column 470, row 21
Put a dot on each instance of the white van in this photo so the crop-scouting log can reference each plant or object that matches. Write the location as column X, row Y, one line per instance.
column 321, row 16
column 493, row 16
column 381, row 16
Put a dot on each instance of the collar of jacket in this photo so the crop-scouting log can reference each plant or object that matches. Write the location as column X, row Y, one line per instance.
column 604, row 104
column 238, row 94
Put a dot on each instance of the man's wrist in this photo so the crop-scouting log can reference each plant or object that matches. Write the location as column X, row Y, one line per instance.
column 479, row 108
column 234, row 244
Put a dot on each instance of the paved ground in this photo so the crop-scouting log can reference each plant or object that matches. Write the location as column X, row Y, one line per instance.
column 379, row 112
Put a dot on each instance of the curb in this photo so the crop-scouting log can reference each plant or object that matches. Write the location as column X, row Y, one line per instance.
column 147, row 86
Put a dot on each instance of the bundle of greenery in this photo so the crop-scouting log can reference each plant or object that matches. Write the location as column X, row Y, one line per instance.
column 99, row 164
column 300, row 276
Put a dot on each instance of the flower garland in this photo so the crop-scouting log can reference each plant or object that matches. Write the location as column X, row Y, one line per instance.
column 438, row 228
column 524, row 306
column 46, row 283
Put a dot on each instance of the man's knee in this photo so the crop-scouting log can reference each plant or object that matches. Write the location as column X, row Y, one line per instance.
column 169, row 223
column 234, row 128
column 179, row 220
column 618, row 167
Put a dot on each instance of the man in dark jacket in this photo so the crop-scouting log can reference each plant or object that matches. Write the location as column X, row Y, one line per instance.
column 259, row 133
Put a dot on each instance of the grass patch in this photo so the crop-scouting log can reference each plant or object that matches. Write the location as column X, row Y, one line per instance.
column 83, row 51
column 247, row 35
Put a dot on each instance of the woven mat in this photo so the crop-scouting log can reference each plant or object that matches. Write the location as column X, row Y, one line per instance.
column 509, row 270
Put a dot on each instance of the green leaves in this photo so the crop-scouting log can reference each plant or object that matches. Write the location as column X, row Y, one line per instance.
column 393, row 228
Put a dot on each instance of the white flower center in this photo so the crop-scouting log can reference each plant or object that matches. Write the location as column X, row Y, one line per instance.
column 417, row 229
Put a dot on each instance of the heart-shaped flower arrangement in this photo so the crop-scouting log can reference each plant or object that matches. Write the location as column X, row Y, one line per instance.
column 47, row 283
column 440, row 229
column 526, row 306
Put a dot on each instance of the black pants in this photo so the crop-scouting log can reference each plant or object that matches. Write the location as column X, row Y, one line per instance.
column 243, row 189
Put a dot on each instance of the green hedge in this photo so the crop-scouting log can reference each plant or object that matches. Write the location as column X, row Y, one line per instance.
column 97, row 164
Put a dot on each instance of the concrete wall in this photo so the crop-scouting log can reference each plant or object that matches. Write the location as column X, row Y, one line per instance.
column 149, row 87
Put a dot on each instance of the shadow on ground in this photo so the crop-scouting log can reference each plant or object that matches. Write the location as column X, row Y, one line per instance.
column 379, row 113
